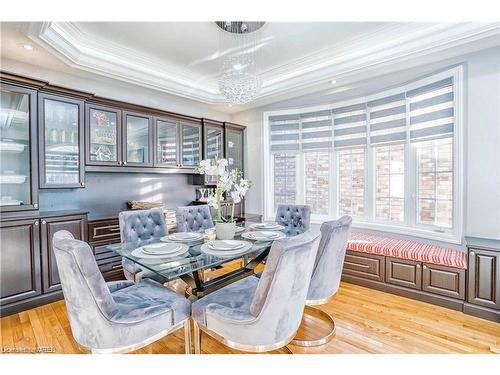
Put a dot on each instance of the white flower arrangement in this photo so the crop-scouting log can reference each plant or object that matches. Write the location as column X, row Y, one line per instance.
column 231, row 183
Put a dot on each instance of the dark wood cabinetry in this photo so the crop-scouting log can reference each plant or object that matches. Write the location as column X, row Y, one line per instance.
column 18, row 149
column 137, row 138
column 103, row 135
column 234, row 136
column 29, row 275
column 446, row 281
column 365, row 265
column 61, row 141
column 76, row 225
column 20, row 266
column 484, row 278
column 103, row 233
column 403, row 272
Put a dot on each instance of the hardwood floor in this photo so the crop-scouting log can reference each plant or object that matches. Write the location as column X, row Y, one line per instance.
column 368, row 321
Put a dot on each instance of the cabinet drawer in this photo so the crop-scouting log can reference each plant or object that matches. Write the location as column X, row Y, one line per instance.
column 112, row 266
column 100, row 230
column 363, row 265
column 402, row 272
column 446, row 281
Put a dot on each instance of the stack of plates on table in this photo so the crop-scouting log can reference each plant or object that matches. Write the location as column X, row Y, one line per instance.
column 239, row 230
column 183, row 237
column 262, row 235
column 160, row 250
column 267, row 226
column 225, row 247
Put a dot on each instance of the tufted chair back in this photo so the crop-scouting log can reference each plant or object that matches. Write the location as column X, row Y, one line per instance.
column 88, row 299
column 294, row 217
column 193, row 218
column 141, row 225
column 329, row 262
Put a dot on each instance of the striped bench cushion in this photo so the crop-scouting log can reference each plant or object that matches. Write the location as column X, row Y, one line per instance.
column 405, row 249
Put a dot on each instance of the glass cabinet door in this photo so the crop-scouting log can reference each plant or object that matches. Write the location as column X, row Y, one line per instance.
column 234, row 148
column 103, row 136
column 137, row 139
column 214, row 147
column 167, row 143
column 190, row 145
column 18, row 187
column 61, row 138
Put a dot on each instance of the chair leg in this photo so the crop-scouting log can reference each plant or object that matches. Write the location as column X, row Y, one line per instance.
column 187, row 336
column 197, row 338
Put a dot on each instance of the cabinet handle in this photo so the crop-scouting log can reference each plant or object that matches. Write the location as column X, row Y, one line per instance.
column 472, row 253
column 124, row 162
column 424, row 267
column 44, row 222
column 418, row 265
column 36, row 223
column 116, row 266
column 83, row 183
column 119, row 163
column 35, row 205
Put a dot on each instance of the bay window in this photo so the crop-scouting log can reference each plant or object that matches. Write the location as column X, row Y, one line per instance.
column 392, row 160
column 351, row 177
column 390, row 182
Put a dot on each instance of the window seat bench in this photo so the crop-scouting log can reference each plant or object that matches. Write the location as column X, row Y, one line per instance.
column 408, row 268
column 406, row 249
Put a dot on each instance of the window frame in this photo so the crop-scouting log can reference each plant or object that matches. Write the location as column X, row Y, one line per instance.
column 410, row 226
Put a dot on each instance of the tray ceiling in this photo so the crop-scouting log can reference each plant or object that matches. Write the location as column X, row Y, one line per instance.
column 183, row 58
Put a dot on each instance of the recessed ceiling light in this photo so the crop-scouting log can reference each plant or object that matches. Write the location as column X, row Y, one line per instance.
column 333, row 82
column 28, row 47
column 237, row 66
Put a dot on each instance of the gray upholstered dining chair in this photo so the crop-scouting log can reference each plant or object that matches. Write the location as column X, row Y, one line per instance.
column 114, row 317
column 193, row 218
column 260, row 315
column 141, row 225
column 327, row 271
column 295, row 218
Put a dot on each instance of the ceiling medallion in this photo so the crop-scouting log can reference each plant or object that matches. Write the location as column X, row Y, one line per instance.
column 238, row 80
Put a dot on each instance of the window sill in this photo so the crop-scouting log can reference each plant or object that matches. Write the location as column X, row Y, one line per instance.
column 408, row 231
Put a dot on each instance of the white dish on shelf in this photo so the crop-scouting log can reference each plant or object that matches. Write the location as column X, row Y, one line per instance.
column 11, row 146
column 12, row 178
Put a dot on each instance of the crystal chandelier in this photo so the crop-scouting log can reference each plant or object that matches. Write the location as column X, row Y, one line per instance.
column 238, row 80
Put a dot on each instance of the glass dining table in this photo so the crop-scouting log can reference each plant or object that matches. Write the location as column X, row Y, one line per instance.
column 190, row 266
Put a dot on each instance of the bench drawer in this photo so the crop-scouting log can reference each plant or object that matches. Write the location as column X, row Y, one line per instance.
column 402, row 272
column 364, row 265
column 446, row 281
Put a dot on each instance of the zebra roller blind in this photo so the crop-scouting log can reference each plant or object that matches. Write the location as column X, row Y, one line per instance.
column 417, row 114
column 431, row 111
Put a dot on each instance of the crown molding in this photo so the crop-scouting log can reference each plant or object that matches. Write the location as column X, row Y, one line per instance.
column 386, row 45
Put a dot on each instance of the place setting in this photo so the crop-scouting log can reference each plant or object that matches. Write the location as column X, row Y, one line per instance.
column 160, row 252
column 223, row 248
column 183, row 237
column 267, row 226
column 263, row 235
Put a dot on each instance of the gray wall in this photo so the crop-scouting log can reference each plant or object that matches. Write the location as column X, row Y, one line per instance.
column 106, row 194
